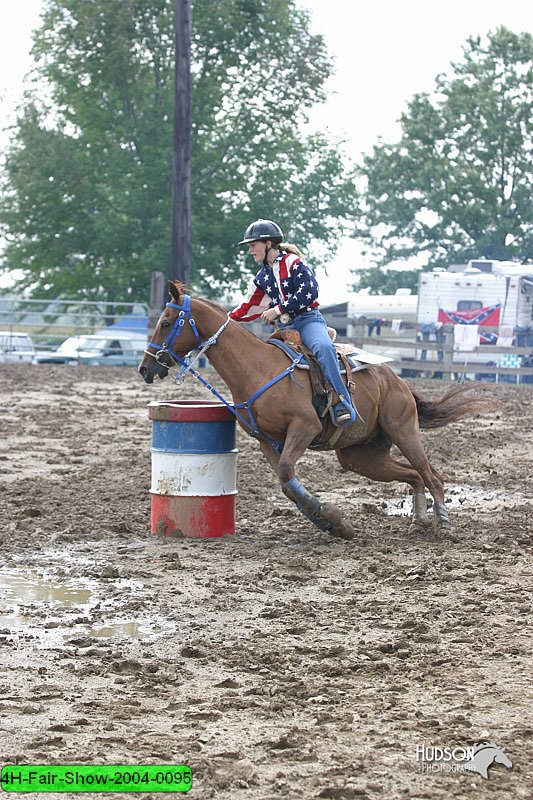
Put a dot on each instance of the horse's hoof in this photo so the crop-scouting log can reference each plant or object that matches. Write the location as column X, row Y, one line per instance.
column 330, row 514
column 344, row 531
column 442, row 527
column 330, row 517
column 418, row 528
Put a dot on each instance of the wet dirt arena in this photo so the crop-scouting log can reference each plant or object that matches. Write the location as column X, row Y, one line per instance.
column 279, row 662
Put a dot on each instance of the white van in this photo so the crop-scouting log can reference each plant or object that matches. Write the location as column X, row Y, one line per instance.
column 15, row 348
column 118, row 350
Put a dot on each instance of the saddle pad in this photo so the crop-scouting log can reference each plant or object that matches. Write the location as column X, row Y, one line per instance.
column 359, row 359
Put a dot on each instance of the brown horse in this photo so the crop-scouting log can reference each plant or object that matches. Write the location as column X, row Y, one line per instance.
column 284, row 419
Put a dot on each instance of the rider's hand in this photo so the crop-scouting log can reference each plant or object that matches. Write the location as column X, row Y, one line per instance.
column 270, row 315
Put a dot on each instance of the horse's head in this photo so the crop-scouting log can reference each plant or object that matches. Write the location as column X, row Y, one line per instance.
column 174, row 336
column 485, row 754
column 500, row 757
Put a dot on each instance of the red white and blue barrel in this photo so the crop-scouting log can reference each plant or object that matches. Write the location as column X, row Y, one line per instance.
column 194, row 469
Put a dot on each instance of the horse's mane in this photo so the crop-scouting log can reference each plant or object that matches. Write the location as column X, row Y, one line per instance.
column 212, row 304
column 182, row 287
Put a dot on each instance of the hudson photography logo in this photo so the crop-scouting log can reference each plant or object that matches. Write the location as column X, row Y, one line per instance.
column 471, row 758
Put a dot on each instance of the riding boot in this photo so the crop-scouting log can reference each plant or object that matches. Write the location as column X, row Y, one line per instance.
column 343, row 413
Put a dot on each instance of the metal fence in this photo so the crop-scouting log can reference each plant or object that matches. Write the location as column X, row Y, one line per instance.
column 49, row 322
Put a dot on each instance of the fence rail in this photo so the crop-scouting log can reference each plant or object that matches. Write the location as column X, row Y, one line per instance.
column 418, row 353
column 51, row 321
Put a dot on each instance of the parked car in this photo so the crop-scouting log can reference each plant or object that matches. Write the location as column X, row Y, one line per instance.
column 115, row 350
column 16, row 347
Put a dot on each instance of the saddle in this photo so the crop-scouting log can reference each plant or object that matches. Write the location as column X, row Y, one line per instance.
column 351, row 359
column 290, row 341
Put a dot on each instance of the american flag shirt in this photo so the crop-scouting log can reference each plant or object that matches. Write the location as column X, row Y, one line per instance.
column 289, row 286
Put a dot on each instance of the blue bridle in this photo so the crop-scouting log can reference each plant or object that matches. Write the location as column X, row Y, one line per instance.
column 184, row 316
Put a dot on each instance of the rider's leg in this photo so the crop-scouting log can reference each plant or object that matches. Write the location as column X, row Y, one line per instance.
column 313, row 330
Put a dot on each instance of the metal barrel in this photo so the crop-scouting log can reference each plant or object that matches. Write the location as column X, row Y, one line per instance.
column 194, row 469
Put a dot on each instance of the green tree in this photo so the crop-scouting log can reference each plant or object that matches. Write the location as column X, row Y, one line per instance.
column 86, row 205
column 458, row 183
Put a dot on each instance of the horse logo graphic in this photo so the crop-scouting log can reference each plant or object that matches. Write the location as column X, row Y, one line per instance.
column 485, row 754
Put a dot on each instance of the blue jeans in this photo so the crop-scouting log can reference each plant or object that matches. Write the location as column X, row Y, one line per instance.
column 312, row 327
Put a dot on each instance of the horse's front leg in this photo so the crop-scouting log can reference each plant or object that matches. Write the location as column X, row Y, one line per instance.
column 270, row 454
column 324, row 515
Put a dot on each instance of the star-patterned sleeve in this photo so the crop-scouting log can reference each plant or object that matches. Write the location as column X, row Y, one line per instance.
column 302, row 289
column 253, row 306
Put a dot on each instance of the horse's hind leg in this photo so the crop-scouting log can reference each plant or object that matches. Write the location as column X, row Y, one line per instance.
column 398, row 419
column 410, row 445
column 413, row 450
column 375, row 462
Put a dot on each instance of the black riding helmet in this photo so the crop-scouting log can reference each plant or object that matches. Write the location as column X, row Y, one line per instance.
column 262, row 230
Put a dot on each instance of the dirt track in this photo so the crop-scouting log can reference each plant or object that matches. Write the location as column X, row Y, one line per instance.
column 278, row 662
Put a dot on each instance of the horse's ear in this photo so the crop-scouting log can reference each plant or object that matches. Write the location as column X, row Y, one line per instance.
column 174, row 292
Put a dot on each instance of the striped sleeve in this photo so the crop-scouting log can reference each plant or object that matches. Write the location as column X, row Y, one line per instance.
column 253, row 306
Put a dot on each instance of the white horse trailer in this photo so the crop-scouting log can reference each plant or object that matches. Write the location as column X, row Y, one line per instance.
column 505, row 287
column 402, row 305
column 510, row 286
column 398, row 308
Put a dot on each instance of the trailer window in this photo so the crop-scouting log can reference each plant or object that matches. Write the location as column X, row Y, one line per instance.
column 469, row 305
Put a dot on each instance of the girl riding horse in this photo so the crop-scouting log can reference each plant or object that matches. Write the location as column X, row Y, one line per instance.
column 285, row 291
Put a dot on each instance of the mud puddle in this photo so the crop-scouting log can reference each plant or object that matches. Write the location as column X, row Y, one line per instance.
column 457, row 497
column 29, row 587
column 51, row 609
column 131, row 630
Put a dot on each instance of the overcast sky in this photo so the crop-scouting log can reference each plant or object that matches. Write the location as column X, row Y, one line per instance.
column 384, row 51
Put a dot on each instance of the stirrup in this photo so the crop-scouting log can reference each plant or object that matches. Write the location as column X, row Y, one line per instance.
column 342, row 416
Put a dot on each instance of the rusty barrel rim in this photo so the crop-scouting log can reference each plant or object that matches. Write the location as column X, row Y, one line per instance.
column 189, row 411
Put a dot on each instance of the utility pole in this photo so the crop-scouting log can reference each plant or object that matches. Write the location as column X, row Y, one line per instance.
column 181, row 174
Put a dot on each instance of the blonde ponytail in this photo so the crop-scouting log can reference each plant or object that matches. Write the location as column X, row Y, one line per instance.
column 290, row 248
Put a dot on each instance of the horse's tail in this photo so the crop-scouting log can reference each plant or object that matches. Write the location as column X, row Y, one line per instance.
column 452, row 405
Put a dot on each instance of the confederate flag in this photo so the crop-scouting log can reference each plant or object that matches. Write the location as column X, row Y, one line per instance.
column 489, row 315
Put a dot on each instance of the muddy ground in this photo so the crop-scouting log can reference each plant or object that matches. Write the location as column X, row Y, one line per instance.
column 278, row 662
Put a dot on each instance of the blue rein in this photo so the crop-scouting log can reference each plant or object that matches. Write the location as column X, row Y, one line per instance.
column 184, row 315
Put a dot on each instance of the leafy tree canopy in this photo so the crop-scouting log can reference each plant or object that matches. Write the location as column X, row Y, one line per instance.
column 458, row 183
column 86, row 207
